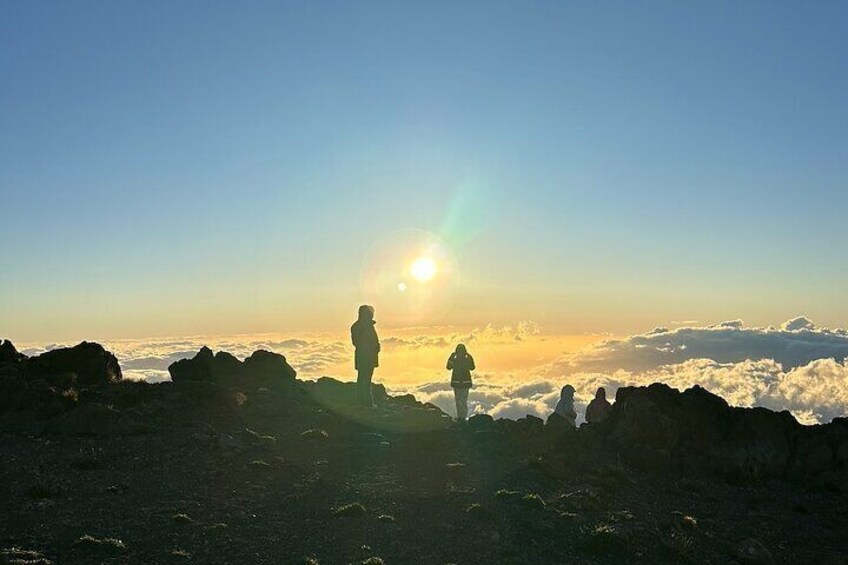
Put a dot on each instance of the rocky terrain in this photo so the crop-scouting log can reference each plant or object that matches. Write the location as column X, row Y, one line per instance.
column 241, row 462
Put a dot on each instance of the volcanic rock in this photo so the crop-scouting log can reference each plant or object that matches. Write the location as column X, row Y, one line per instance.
column 90, row 362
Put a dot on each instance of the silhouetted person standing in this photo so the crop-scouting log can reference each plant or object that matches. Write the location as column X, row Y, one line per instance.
column 367, row 345
column 461, row 363
column 565, row 406
column 599, row 409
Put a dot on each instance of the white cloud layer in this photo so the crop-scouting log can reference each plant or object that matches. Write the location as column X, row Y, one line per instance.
column 796, row 367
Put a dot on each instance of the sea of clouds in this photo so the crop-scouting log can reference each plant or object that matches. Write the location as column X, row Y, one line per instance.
column 797, row 366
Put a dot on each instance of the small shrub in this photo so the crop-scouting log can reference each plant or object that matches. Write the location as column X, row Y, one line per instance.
column 353, row 510
column 504, row 494
column 373, row 561
column 182, row 518
column 476, row 511
column 533, row 500
column 386, row 518
column 18, row 556
column 181, row 553
column 91, row 542
column 315, row 435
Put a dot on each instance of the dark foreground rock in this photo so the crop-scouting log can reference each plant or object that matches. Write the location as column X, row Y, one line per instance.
column 696, row 431
column 239, row 462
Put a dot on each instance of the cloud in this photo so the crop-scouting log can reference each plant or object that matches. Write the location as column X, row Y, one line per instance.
column 538, row 397
column 796, row 343
column 797, row 367
column 814, row 393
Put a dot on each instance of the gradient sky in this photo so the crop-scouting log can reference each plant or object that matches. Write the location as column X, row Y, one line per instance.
column 199, row 167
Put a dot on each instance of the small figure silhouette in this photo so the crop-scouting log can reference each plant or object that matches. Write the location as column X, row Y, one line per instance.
column 367, row 345
column 599, row 409
column 565, row 406
column 461, row 363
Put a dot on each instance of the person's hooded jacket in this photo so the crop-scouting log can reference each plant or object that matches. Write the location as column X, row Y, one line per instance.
column 565, row 406
column 365, row 340
column 461, row 363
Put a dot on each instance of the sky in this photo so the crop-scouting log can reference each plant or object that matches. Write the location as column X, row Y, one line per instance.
column 210, row 168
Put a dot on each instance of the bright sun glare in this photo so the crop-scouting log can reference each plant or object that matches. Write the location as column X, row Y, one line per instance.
column 423, row 269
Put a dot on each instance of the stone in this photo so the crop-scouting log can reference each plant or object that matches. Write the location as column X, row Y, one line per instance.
column 90, row 362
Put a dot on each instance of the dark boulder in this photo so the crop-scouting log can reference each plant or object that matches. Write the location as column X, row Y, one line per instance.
column 697, row 430
column 90, row 362
column 265, row 368
column 760, row 443
column 481, row 422
column 198, row 368
column 225, row 364
column 9, row 355
column 261, row 369
column 646, row 417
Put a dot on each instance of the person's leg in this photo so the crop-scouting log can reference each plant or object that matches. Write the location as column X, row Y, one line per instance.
column 462, row 403
column 457, row 392
column 363, row 387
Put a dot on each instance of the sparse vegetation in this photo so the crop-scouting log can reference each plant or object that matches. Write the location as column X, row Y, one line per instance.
column 314, row 435
column 182, row 518
column 352, row 510
column 505, row 494
column 533, row 500
column 91, row 542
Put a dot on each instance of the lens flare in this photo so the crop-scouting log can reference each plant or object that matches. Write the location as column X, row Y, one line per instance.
column 410, row 276
column 423, row 269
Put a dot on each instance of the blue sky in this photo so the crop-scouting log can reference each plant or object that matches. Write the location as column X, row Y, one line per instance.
column 197, row 167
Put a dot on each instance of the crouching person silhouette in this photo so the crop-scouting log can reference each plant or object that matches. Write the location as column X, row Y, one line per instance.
column 461, row 363
column 366, row 359
column 565, row 406
column 599, row 409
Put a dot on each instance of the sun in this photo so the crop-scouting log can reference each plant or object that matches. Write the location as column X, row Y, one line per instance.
column 423, row 269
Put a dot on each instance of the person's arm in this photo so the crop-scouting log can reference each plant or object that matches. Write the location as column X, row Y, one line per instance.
column 450, row 362
column 353, row 336
column 471, row 366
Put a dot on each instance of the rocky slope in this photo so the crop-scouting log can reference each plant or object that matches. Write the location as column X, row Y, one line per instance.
column 240, row 462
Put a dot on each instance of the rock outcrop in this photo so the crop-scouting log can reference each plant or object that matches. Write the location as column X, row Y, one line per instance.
column 663, row 427
column 261, row 369
column 89, row 362
column 9, row 355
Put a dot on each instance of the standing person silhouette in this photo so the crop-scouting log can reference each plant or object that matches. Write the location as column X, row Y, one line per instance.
column 461, row 363
column 367, row 345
